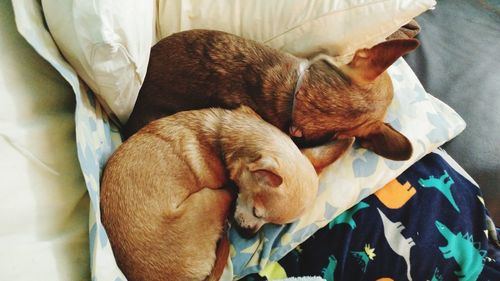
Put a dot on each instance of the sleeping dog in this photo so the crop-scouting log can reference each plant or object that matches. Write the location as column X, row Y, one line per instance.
column 315, row 101
column 165, row 192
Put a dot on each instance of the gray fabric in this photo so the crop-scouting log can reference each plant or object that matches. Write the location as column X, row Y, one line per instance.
column 459, row 62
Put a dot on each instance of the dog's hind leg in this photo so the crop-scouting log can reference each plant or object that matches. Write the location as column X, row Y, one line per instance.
column 204, row 220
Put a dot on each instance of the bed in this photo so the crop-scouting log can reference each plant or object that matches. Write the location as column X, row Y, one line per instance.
column 363, row 226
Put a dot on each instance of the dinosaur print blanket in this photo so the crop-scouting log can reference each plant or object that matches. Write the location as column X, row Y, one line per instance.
column 430, row 223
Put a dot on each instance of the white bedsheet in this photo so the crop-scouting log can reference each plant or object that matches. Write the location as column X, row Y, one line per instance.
column 43, row 200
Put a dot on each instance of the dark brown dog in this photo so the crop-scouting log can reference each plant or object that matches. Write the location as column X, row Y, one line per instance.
column 315, row 101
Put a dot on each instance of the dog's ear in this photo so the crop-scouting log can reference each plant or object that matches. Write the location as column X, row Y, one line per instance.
column 387, row 142
column 368, row 64
column 265, row 172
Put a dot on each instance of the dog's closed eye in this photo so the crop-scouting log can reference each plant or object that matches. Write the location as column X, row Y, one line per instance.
column 256, row 213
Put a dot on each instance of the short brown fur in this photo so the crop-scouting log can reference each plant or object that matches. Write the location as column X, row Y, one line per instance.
column 202, row 68
column 165, row 192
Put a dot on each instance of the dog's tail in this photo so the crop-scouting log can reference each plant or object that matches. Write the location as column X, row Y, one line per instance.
column 221, row 255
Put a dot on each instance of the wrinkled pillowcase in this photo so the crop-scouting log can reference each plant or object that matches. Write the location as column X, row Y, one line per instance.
column 426, row 121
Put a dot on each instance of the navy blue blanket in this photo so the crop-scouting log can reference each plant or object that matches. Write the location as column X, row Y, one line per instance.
column 428, row 224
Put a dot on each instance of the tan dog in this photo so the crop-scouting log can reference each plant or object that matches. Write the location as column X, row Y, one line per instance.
column 165, row 197
column 315, row 101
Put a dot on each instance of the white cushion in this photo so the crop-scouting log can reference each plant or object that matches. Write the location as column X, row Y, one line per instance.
column 43, row 199
column 335, row 27
column 108, row 41
column 108, row 44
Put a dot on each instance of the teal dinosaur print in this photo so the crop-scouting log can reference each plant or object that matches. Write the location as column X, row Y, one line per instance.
column 346, row 217
column 443, row 184
column 464, row 251
column 329, row 270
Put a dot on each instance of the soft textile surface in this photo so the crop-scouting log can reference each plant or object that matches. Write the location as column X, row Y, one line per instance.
column 337, row 27
column 303, row 278
column 94, row 145
column 428, row 224
column 43, row 198
column 108, row 41
column 459, row 63
column 427, row 122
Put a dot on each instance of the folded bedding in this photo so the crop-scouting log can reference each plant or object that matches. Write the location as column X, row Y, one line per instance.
column 430, row 223
column 43, row 198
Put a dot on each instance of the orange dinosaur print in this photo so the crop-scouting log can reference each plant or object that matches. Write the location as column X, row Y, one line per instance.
column 394, row 195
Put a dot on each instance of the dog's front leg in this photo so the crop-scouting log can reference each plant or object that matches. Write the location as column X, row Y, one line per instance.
column 324, row 155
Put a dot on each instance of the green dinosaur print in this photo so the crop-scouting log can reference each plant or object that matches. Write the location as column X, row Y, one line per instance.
column 443, row 184
column 346, row 217
column 462, row 249
column 329, row 270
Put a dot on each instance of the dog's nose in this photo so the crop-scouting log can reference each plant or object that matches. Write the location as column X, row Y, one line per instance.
column 246, row 232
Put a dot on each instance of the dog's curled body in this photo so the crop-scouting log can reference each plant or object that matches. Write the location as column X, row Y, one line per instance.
column 165, row 197
column 204, row 68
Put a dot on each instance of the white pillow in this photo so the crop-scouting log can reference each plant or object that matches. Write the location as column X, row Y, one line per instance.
column 108, row 44
column 335, row 27
column 44, row 203
column 108, row 41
